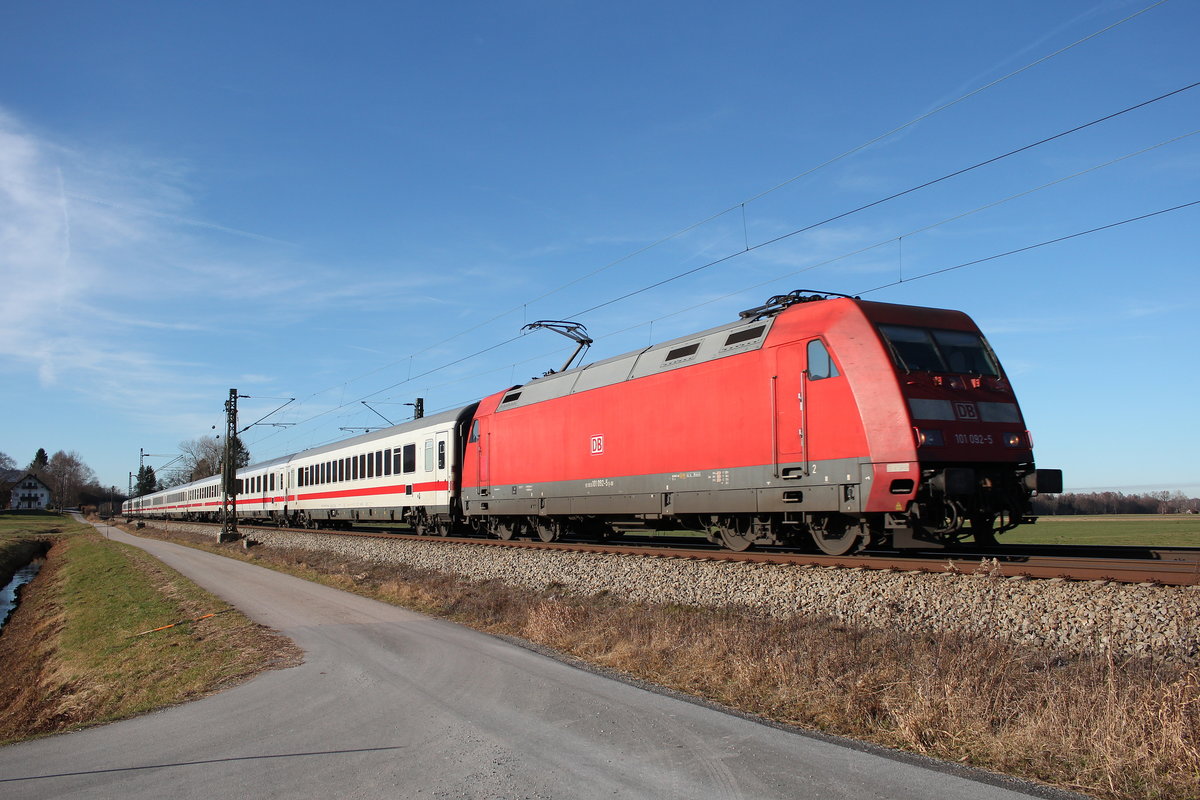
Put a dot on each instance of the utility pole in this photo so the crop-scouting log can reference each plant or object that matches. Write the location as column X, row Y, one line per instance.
column 229, row 531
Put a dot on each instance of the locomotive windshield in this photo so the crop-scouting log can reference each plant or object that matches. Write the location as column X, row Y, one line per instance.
column 934, row 350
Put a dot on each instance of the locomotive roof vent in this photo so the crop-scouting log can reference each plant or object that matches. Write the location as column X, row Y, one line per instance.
column 781, row 301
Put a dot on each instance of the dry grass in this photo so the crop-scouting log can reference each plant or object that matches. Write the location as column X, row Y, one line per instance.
column 1116, row 729
column 70, row 656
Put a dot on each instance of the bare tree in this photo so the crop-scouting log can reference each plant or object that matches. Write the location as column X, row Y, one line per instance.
column 67, row 476
column 201, row 458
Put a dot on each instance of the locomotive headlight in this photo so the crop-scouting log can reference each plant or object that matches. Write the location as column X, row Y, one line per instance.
column 1013, row 440
column 928, row 438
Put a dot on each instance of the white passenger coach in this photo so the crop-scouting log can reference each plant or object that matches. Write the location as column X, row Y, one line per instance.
column 406, row 473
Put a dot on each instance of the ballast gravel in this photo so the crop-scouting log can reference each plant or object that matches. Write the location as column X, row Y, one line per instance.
column 1161, row 622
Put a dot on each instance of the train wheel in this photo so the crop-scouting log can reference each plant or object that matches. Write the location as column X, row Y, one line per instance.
column 837, row 536
column 546, row 530
column 505, row 530
column 734, row 533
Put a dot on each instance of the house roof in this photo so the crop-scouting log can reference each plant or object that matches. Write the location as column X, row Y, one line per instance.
column 25, row 475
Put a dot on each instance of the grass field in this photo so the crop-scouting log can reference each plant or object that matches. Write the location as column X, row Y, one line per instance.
column 1138, row 530
column 72, row 654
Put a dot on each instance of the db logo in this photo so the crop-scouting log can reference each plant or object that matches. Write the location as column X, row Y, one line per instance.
column 597, row 445
column 966, row 411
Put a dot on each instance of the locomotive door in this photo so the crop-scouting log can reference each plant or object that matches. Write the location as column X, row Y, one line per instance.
column 479, row 441
column 788, row 404
column 809, row 407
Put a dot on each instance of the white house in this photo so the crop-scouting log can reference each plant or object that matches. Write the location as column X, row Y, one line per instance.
column 30, row 492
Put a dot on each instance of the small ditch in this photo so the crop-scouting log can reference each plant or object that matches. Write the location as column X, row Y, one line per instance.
column 10, row 595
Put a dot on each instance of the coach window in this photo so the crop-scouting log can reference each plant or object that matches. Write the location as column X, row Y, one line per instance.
column 271, row 483
column 441, row 455
column 370, row 465
column 429, row 455
column 362, row 465
column 820, row 365
column 378, row 463
column 387, row 461
column 396, row 461
column 410, row 458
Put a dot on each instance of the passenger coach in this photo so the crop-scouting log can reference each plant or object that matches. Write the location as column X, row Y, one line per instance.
column 406, row 473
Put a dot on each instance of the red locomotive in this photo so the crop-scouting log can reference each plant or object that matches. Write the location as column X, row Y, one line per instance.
column 845, row 421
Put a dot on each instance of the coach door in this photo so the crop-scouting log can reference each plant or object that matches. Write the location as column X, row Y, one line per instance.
column 443, row 471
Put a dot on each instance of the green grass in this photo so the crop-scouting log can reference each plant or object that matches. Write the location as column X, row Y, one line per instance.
column 73, row 656
column 1139, row 530
column 36, row 523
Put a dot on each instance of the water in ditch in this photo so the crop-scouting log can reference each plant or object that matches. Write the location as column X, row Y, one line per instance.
column 9, row 595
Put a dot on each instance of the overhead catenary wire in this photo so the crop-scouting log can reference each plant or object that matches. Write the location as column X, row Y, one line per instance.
column 775, row 240
column 908, row 234
column 1027, row 248
column 741, row 205
column 881, row 201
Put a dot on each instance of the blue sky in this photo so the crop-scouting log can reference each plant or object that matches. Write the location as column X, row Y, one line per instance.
column 345, row 202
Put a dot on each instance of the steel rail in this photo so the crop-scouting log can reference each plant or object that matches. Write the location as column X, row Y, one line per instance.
column 1180, row 568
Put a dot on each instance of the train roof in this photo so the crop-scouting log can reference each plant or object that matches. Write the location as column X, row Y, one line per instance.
column 748, row 333
column 732, row 338
column 433, row 420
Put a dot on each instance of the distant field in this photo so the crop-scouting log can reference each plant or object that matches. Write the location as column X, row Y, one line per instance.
column 1147, row 530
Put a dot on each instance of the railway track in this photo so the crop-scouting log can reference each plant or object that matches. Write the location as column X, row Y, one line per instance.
column 1152, row 566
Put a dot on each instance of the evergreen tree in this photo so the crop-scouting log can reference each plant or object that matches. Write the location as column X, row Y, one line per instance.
column 241, row 456
column 40, row 460
column 147, row 481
